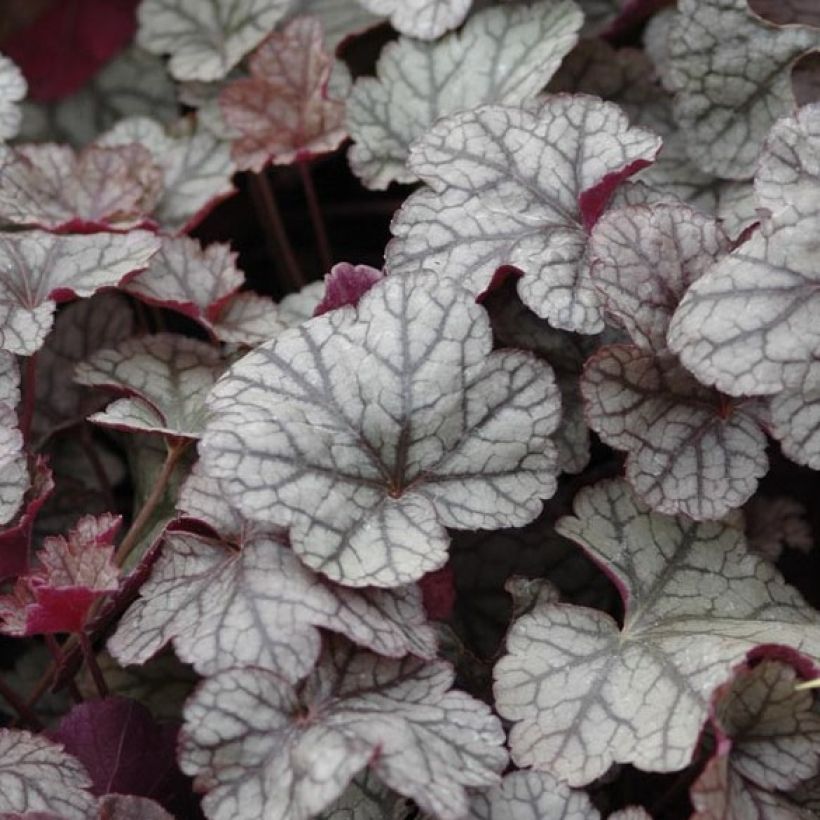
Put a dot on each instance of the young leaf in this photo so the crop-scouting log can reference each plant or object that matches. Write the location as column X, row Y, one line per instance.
column 258, row 606
column 165, row 378
column 768, row 741
column 504, row 54
column 53, row 187
column 529, row 795
column 691, row 450
column 73, row 573
column 749, row 325
column 345, row 285
column 13, row 88
column 584, row 694
column 521, row 187
column 122, row 748
column 81, row 329
column 206, row 41
column 36, row 775
column 38, row 269
column 775, row 523
column 293, row 752
column 644, row 258
column 786, row 180
column 730, row 71
column 196, row 167
column 423, row 19
column 795, row 420
column 339, row 410
column 284, row 112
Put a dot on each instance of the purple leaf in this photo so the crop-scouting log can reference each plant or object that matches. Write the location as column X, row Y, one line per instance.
column 583, row 692
column 504, row 54
column 505, row 190
column 325, row 411
column 36, row 775
column 53, row 187
column 345, row 285
column 121, row 746
column 292, row 751
column 284, row 112
column 39, row 269
column 166, row 378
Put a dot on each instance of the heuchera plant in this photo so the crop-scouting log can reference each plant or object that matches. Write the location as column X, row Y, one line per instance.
column 409, row 409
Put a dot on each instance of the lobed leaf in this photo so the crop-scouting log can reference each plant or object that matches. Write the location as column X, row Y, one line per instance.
column 206, row 41
column 293, row 752
column 284, row 112
column 165, row 377
column 13, row 88
column 39, row 269
column 583, row 693
column 731, row 74
column 749, row 325
column 36, row 775
column 345, row 285
column 504, row 54
column 521, row 187
column 690, row 450
column 53, row 187
column 397, row 418
column 424, row 19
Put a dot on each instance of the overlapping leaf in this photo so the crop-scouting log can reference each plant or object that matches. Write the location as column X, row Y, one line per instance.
column 206, row 40
column 246, row 600
column 81, row 329
column 731, row 73
column 72, row 573
column 768, row 742
column 12, row 89
column 341, row 19
column 424, row 19
column 749, row 326
column 368, row 799
column 165, row 377
column 196, row 166
column 367, row 431
column 522, row 187
column 53, row 187
column 36, row 775
column 14, row 479
column 505, row 54
column 795, row 417
column 584, row 693
column 293, row 752
column 40, row 269
column 284, row 111
column 345, row 285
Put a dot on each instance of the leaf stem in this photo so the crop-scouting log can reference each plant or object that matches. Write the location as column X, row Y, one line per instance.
column 91, row 662
column 29, row 396
column 316, row 218
column 262, row 192
column 131, row 539
column 97, row 466
column 24, row 711
column 57, row 653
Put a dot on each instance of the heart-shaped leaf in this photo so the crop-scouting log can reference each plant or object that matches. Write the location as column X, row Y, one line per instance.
column 53, row 187
column 749, row 325
column 284, row 112
column 339, row 409
column 166, row 378
column 253, row 603
column 294, row 751
column 206, row 41
column 39, row 269
column 731, row 72
column 36, row 775
column 504, row 54
column 423, row 19
column 768, row 737
column 13, row 88
column 72, row 573
column 506, row 189
column 583, row 693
